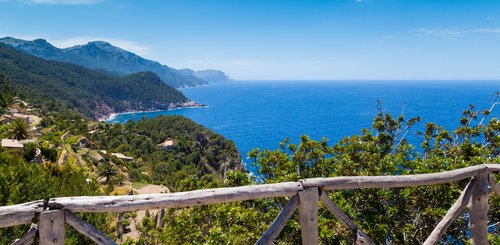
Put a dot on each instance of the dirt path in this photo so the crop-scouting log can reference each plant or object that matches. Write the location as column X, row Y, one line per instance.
column 60, row 161
column 152, row 189
column 148, row 189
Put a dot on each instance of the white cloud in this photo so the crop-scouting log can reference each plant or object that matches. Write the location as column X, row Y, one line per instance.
column 486, row 30
column 456, row 33
column 438, row 32
column 128, row 45
column 68, row 2
column 390, row 37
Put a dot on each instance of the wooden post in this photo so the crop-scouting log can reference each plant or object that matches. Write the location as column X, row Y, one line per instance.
column 308, row 214
column 155, row 219
column 20, row 213
column 127, row 203
column 160, row 221
column 478, row 210
column 494, row 184
column 456, row 209
column 87, row 229
column 278, row 223
column 51, row 227
column 360, row 236
column 119, row 228
column 29, row 237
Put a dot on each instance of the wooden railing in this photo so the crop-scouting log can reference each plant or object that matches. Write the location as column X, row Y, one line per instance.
column 49, row 217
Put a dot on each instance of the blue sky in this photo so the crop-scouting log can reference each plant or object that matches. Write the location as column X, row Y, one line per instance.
column 278, row 39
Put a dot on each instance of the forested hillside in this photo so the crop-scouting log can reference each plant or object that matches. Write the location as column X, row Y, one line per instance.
column 196, row 150
column 76, row 156
column 55, row 85
column 99, row 55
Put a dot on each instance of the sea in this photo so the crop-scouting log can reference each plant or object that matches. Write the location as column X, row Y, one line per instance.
column 260, row 114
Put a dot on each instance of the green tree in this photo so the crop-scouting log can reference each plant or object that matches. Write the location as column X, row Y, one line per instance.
column 22, row 182
column 5, row 98
column 107, row 170
column 29, row 151
column 389, row 216
column 397, row 216
column 198, row 150
column 19, row 129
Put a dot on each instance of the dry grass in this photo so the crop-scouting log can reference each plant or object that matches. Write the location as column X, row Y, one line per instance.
column 138, row 185
column 120, row 190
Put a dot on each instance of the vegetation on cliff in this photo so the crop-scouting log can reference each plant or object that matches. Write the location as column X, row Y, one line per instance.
column 196, row 150
column 388, row 216
column 72, row 155
column 55, row 86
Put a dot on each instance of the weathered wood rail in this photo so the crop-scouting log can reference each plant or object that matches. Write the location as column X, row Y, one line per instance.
column 49, row 217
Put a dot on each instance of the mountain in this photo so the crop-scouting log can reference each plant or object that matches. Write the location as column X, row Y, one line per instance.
column 211, row 76
column 55, row 85
column 99, row 55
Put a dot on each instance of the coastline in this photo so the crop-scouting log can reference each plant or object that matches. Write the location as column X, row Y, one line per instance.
column 187, row 105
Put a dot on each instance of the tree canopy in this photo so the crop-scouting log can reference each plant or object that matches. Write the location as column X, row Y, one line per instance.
column 196, row 150
column 19, row 129
column 388, row 216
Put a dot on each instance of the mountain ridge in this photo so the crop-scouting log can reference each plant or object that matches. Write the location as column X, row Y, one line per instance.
column 55, row 85
column 101, row 55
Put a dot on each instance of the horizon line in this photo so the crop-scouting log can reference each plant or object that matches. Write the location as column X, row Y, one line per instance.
column 367, row 80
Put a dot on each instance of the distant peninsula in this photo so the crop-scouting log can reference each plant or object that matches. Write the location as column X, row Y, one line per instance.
column 211, row 76
column 103, row 56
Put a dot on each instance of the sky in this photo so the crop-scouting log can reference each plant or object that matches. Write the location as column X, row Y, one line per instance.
column 281, row 39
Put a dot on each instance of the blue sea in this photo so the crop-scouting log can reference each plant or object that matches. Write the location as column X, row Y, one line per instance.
column 263, row 113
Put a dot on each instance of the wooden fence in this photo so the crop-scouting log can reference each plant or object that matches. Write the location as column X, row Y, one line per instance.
column 47, row 218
